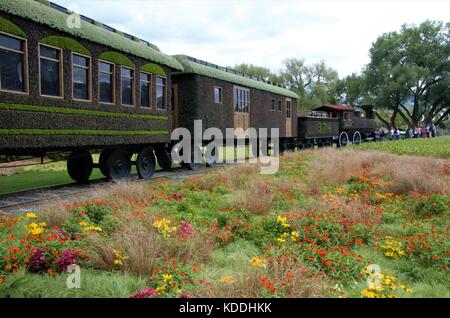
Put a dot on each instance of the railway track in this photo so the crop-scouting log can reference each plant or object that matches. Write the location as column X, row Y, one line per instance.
column 39, row 199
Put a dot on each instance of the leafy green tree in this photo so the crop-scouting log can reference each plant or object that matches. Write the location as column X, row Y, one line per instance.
column 313, row 83
column 258, row 71
column 409, row 73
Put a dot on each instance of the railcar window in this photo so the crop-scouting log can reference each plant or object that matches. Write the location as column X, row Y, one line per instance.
column 81, row 77
column 160, row 93
column 272, row 105
column 145, row 89
column 241, row 100
column 50, row 69
column 280, row 106
column 218, row 95
column 12, row 64
column 127, row 84
column 106, row 82
column 288, row 109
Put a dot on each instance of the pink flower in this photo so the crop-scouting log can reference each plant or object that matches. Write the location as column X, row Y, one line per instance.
column 185, row 229
column 145, row 293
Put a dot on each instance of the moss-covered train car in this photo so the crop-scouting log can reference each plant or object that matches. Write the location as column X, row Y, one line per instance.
column 224, row 98
column 315, row 128
column 73, row 84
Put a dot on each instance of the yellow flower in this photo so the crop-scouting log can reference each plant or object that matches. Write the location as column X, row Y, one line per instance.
column 256, row 261
column 368, row 293
column 118, row 262
column 92, row 228
column 83, row 223
column 283, row 221
column 31, row 216
column 294, row 236
column 167, row 277
column 227, row 279
column 406, row 288
column 36, row 229
column 164, row 227
column 161, row 289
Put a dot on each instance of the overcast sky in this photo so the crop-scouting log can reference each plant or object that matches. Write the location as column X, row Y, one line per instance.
column 263, row 32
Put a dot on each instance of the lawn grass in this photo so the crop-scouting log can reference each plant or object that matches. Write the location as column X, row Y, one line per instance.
column 38, row 179
column 53, row 174
column 310, row 230
column 434, row 147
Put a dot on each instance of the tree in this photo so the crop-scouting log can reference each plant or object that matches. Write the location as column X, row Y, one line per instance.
column 349, row 90
column 258, row 71
column 312, row 83
column 409, row 73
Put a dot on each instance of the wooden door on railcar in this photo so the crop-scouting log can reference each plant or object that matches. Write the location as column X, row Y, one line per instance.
column 288, row 118
column 175, row 107
column 241, row 108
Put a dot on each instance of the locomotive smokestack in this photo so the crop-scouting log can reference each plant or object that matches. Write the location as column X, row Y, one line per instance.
column 368, row 109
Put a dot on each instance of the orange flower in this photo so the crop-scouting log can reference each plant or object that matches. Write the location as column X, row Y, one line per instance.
column 11, row 236
column 8, row 267
column 1, row 280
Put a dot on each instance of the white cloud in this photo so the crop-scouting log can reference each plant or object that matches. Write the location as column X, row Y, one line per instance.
column 264, row 32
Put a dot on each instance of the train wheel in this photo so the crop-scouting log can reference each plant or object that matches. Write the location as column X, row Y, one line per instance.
column 193, row 165
column 145, row 163
column 119, row 165
column 212, row 157
column 357, row 138
column 164, row 158
column 103, row 161
column 343, row 139
column 80, row 165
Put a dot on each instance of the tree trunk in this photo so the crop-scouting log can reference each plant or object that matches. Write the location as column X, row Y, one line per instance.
column 384, row 121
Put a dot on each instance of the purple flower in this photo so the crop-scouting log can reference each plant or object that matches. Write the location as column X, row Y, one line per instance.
column 37, row 261
column 68, row 257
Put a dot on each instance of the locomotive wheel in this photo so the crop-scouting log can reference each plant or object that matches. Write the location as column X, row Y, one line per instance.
column 343, row 139
column 103, row 161
column 164, row 158
column 119, row 165
column 146, row 163
column 80, row 165
column 357, row 138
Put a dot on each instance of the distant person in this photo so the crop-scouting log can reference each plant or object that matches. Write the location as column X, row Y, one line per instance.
column 428, row 130
column 411, row 133
column 416, row 132
column 433, row 130
column 392, row 133
column 383, row 134
column 424, row 132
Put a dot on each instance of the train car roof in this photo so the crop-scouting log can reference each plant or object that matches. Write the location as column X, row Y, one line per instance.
column 55, row 16
column 333, row 107
column 195, row 66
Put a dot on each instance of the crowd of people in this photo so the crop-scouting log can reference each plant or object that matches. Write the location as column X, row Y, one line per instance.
column 428, row 131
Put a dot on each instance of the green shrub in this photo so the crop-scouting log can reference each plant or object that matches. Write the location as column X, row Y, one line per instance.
column 435, row 204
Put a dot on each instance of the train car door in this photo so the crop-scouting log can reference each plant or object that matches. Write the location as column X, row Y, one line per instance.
column 241, row 108
column 175, row 107
column 288, row 117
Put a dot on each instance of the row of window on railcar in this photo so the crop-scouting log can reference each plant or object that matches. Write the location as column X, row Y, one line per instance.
column 14, row 77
